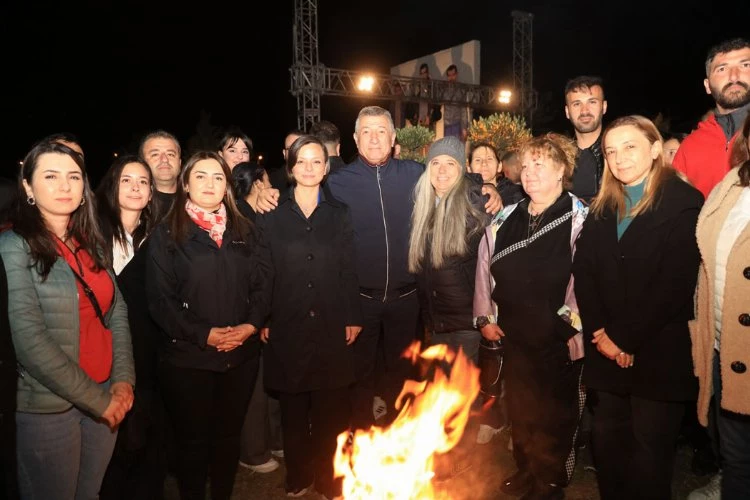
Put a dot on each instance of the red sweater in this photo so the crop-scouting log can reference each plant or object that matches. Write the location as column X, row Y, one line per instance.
column 95, row 341
column 704, row 155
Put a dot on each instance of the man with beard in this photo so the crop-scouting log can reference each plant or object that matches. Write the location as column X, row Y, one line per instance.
column 704, row 155
column 584, row 107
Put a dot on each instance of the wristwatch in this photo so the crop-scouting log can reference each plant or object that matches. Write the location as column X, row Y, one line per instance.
column 482, row 321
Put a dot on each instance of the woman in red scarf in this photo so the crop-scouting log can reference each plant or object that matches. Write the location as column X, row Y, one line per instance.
column 205, row 294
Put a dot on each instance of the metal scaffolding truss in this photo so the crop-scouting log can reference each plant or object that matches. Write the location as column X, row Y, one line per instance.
column 523, row 81
column 305, row 38
column 330, row 81
column 310, row 79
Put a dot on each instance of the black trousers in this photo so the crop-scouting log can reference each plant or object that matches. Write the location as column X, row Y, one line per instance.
column 139, row 462
column 206, row 410
column 310, row 424
column 633, row 440
column 8, row 466
column 393, row 324
column 543, row 401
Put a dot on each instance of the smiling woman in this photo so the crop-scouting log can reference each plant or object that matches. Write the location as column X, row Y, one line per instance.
column 635, row 273
column 204, row 287
column 307, row 243
column 69, row 327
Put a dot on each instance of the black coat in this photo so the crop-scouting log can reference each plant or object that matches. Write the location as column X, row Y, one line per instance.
column 146, row 417
column 640, row 290
column 446, row 295
column 194, row 286
column 314, row 293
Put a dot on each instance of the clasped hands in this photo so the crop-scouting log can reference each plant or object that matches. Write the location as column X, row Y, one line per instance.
column 352, row 331
column 227, row 338
column 119, row 405
column 609, row 349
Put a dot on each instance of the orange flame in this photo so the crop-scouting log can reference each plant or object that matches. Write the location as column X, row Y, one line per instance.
column 397, row 462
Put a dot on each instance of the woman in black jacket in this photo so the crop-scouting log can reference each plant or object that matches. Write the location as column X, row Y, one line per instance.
column 447, row 224
column 126, row 211
column 635, row 273
column 205, row 293
column 523, row 288
column 308, row 244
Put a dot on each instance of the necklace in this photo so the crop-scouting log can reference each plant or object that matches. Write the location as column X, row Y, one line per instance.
column 535, row 222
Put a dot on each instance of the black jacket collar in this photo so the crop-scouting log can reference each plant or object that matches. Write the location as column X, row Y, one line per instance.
column 288, row 196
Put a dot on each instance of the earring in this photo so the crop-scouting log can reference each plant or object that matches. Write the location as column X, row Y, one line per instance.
column 30, row 200
column 559, row 179
column 83, row 201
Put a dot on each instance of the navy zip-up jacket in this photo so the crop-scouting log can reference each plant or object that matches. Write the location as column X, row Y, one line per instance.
column 380, row 200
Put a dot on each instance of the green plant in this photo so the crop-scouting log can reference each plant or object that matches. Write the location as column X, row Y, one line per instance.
column 414, row 142
column 504, row 131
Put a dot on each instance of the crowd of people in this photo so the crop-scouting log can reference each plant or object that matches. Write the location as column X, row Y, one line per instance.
column 190, row 319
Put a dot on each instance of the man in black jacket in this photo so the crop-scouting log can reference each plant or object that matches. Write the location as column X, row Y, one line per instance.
column 585, row 106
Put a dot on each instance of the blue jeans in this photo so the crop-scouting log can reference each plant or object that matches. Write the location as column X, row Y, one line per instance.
column 734, row 445
column 468, row 340
column 62, row 455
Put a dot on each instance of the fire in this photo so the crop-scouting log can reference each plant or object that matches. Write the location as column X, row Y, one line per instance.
column 397, row 462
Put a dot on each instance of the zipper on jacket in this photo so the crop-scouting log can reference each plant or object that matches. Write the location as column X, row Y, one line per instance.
column 387, row 247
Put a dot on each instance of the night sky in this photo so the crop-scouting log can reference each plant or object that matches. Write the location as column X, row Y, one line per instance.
column 112, row 72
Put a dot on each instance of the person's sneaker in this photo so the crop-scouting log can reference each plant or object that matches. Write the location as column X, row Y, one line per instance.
column 379, row 408
column 264, row 468
column 486, row 433
column 711, row 491
column 299, row 492
column 277, row 453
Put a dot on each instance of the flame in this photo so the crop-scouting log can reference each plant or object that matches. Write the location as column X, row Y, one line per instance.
column 396, row 462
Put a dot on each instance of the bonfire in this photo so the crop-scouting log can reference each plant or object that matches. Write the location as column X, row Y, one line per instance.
column 397, row 462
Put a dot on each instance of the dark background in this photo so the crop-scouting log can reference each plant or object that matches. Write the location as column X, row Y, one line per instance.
column 110, row 72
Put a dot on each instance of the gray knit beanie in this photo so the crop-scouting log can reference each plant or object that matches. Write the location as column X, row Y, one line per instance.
column 450, row 146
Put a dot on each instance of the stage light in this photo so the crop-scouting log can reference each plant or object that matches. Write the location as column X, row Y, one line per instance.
column 504, row 97
column 366, row 83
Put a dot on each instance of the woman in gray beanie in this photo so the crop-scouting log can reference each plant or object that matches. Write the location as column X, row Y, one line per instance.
column 447, row 224
column 446, row 227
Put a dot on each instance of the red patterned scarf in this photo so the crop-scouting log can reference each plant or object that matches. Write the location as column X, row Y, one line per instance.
column 214, row 223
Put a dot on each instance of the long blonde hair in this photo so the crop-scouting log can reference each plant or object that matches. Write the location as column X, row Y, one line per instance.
column 612, row 193
column 443, row 227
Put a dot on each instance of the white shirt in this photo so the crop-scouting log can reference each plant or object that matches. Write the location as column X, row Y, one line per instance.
column 121, row 255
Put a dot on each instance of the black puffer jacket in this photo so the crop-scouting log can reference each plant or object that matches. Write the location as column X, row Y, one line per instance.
column 195, row 285
column 446, row 295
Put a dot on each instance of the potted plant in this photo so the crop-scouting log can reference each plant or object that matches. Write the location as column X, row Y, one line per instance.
column 503, row 130
column 414, row 142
